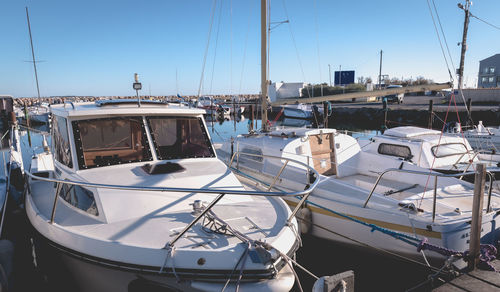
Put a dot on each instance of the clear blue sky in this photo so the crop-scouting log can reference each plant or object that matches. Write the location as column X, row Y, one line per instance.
column 94, row 47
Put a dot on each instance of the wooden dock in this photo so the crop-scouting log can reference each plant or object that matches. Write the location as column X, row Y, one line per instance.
column 476, row 280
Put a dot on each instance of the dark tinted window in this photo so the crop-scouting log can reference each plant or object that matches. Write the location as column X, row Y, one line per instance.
column 179, row 137
column 395, row 150
column 80, row 198
column 60, row 141
column 102, row 142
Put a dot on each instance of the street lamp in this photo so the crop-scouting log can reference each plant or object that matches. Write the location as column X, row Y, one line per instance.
column 137, row 86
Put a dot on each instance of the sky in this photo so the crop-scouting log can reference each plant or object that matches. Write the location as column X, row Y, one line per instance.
column 95, row 47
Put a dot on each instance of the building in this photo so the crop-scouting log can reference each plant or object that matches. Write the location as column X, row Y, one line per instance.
column 489, row 72
column 281, row 90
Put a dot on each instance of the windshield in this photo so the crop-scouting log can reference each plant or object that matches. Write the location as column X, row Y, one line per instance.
column 179, row 137
column 102, row 142
column 449, row 149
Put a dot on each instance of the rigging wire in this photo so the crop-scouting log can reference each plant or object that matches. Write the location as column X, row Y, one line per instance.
column 207, row 46
column 216, row 44
column 484, row 21
column 439, row 39
column 296, row 49
column 444, row 36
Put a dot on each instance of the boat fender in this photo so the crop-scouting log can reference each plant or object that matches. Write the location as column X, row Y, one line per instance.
column 304, row 216
column 16, row 176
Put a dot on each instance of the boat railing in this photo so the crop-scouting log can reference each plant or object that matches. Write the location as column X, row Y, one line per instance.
column 435, row 175
column 221, row 193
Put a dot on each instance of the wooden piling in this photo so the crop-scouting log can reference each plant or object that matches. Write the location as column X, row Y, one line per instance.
column 477, row 216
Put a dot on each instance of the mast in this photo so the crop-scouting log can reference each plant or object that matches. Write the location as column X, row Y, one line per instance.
column 263, row 63
column 380, row 71
column 33, row 53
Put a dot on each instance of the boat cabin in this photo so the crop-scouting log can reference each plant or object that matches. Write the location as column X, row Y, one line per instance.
column 105, row 133
column 424, row 147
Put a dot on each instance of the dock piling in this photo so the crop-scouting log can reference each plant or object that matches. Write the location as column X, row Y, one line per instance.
column 477, row 216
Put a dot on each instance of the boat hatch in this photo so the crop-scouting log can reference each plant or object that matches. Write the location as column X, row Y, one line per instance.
column 323, row 153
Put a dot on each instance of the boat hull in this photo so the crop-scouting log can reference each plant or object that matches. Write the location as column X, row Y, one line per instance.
column 69, row 270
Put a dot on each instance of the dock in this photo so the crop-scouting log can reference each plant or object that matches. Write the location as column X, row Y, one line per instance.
column 476, row 280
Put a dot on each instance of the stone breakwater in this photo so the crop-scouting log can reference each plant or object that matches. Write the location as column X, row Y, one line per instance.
column 33, row 101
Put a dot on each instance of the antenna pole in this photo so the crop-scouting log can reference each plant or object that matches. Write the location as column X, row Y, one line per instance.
column 263, row 62
column 380, row 71
column 33, row 53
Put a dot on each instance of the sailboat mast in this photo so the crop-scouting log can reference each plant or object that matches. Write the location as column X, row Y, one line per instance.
column 33, row 53
column 263, row 63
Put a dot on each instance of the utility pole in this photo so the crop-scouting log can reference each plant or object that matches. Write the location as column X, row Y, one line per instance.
column 460, row 70
column 340, row 75
column 464, row 42
column 380, row 71
column 330, row 74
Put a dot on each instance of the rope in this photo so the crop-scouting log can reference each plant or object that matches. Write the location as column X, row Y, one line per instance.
column 296, row 49
column 403, row 237
column 437, row 149
column 216, row 44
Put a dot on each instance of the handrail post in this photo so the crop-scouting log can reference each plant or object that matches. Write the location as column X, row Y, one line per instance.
column 477, row 216
column 173, row 241
column 373, row 189
column 54, row 206
column 278, row 175
column 294, row 212
column 435, row 198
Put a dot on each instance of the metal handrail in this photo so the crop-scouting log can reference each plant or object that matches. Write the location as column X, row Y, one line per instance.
column 309, row 169
column 436, row 175
column 221, row 193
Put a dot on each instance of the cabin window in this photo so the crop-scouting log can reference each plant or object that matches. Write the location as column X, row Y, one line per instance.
column 80, row 198
column 111, row 141
column 179, row 137
column 60, row 138
column 256, row 154
column 449, row 149
column 395, row 150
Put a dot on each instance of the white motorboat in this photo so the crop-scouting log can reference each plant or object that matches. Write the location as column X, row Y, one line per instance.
column 360, row 191
column 427, row 148
column 484, row 138
column 134, row 196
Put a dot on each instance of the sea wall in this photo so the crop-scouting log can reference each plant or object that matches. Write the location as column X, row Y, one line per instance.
column 373, row 118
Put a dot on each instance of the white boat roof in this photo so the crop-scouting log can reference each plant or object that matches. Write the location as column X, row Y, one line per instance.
column 301, row 132
column 410, row 132
column 122, row 107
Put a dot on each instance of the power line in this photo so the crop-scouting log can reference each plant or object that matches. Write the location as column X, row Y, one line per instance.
column 492, row 25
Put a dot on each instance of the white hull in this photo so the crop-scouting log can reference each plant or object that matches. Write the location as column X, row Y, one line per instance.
column 90, row 274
